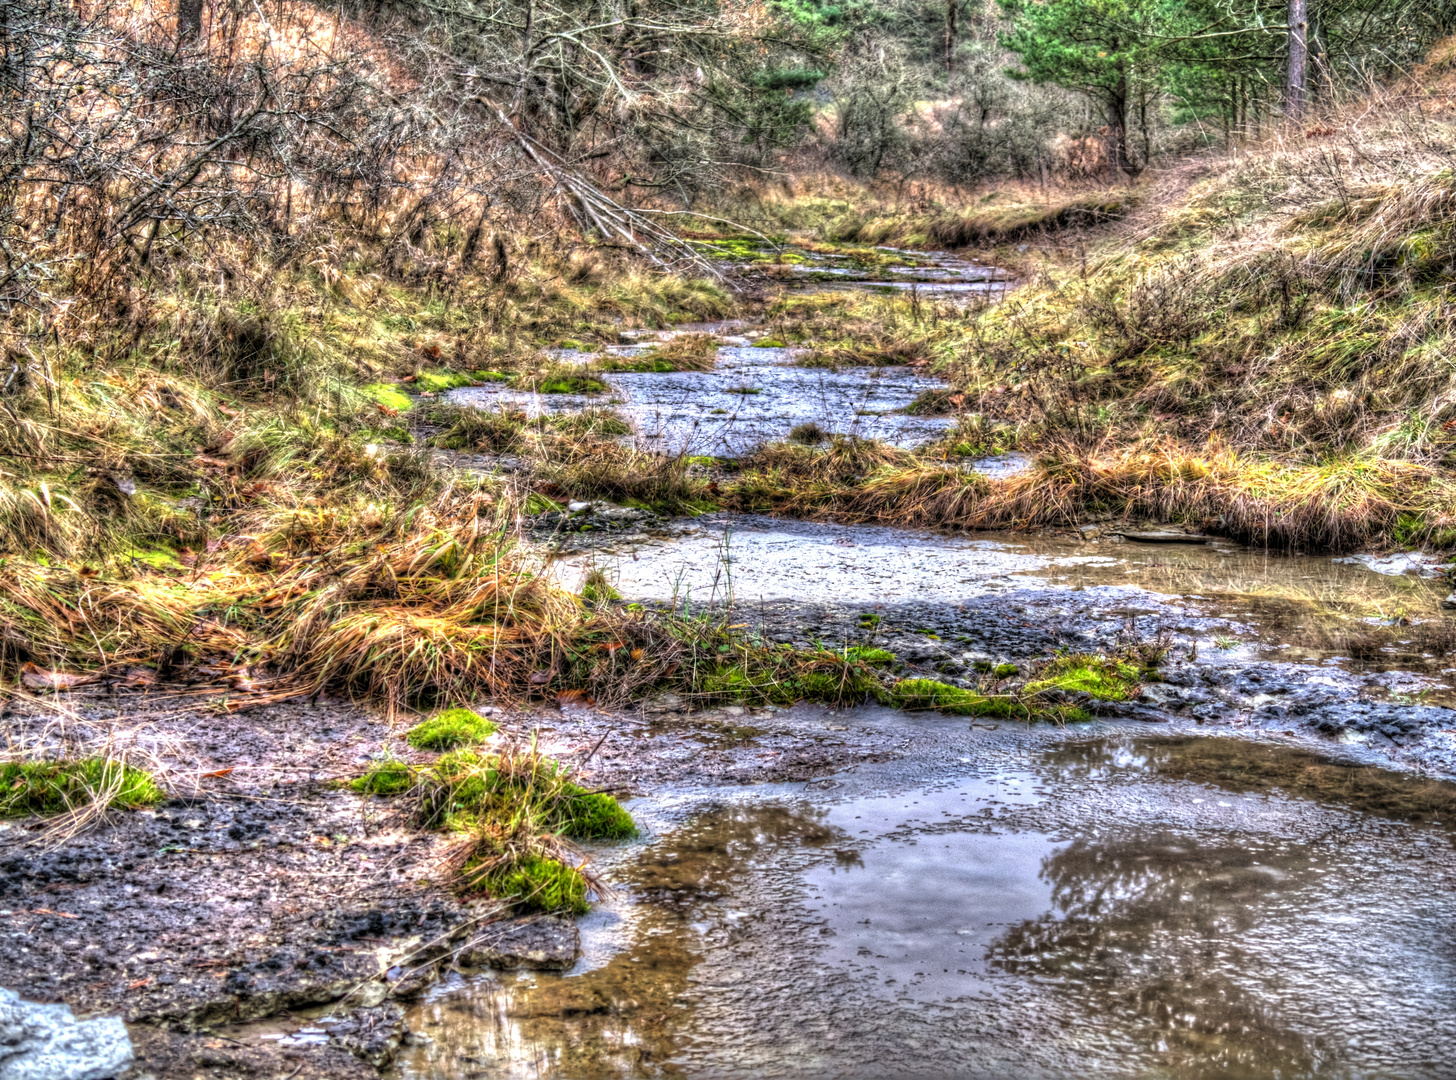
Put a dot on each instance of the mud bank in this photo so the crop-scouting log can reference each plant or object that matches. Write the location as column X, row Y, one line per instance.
column 262, row 886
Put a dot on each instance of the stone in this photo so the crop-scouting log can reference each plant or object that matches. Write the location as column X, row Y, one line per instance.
column 46, row 1042
column 541, row 944
column 1090, row 532
column 1450, row 601
column 372, row 1035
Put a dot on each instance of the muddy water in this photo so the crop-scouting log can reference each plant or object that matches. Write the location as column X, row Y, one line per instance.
column 1005, row 903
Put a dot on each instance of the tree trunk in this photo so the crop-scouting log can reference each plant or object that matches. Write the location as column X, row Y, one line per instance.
column 1116, row 105
column 189, row 19
column 952, row 14
column 1296, row 74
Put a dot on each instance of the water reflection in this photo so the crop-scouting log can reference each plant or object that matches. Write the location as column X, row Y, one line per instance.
column 1240, row 766
column 1145, row 933
column 633, row 1015
column 1122, row 907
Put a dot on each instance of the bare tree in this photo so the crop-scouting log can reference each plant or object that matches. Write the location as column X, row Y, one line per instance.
column 1296, row 78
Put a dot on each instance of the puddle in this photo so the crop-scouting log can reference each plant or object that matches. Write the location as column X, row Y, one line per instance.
column 1026, row 904
column 714, row 412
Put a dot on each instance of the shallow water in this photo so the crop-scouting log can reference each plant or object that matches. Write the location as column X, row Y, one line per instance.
column 750, row 397
column 1005, row 903
column 1240, row 602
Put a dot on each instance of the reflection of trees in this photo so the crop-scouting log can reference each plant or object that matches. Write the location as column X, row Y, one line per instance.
column 1242, row 767
column 632, row 1016
column 1147, row 930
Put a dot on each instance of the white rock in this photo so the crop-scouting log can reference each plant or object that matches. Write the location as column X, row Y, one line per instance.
column 46, row 1042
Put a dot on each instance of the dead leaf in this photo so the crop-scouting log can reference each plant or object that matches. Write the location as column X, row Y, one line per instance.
column 387, row 411
column 218, row 773
column 540, row 678
column 38, row 678
column 575, row 697
column 57, row 914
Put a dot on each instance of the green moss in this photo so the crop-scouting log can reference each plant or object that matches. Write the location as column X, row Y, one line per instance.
column 473, row 792
column 931, row 694
column 158, row 558
column 639, row 364
column 384, row 778
column 53, row 787
column 1103, row 678
column 397, row 435
column 536, row 883
column 1005, row 671
column 390, row 395
column 878, row 657
column 439, row 381
column 593, row 815
column 493, row 376
column 782, row 678
column 571, row 384
column 450, row 730
column 868, row 620
column 769, row 343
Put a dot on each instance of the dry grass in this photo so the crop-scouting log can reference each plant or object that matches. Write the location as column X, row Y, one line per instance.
column 1338, row 505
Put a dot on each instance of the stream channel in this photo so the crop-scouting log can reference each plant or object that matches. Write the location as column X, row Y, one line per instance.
column 1248, row 873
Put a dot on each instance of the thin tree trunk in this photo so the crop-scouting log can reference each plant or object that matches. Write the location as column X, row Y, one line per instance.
column 952, row 13
column 1296, row 74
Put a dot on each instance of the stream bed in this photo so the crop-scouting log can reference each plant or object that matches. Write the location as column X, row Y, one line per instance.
column 1246, row 872
column 1035, row 903
column 751, row 396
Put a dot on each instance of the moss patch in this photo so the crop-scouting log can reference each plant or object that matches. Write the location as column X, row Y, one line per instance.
column 1104, row 678
column 450, row 730
column 388, row 395
column 439, row 381
column 53, row 787
column 472, row 791
column 384, row 778
column 534, row 882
